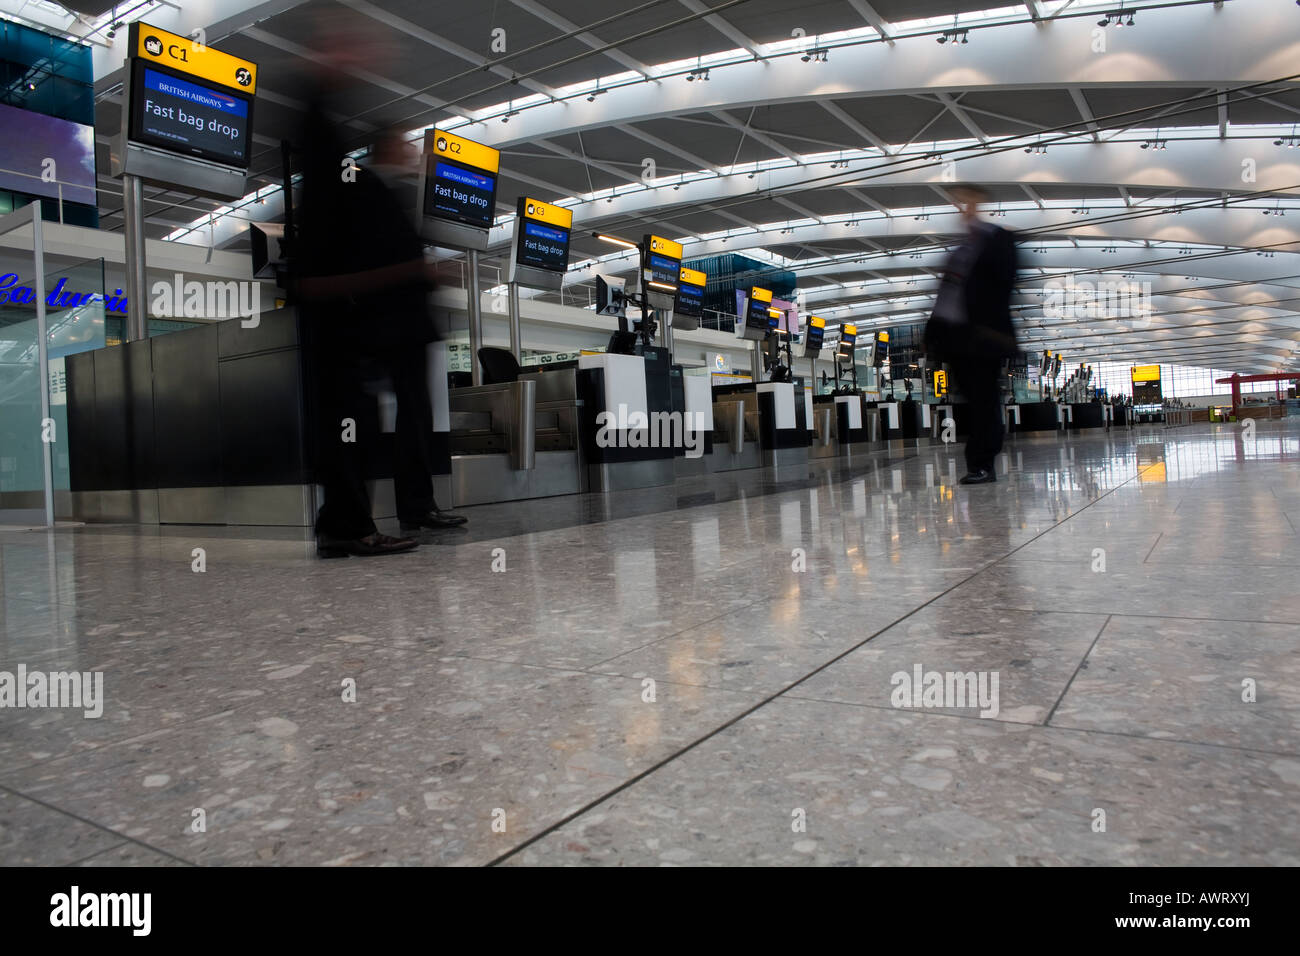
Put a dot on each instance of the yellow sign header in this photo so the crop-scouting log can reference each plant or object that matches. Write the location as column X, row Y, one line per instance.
column 849, row 330
column 940, row 382
column 1146, row 373
column 817, row 322
column 543, row 212
column 665, row 247
column 693, row 277
column 462, row 150
column 761, row 295
column 187, row 55
column 883, row 337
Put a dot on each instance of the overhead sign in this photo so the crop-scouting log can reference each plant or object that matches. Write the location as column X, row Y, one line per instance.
column 1146, row 373
column 940, row 383
column 189, row 100
column 690, row 293
column 186, row 55
column 757, row 314
column 460, row 182
column 661, row 262
column 815, row 336
column 542, row 235
column 848, row 340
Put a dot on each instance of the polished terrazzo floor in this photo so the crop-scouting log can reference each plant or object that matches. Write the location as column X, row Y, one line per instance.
column 508, row 716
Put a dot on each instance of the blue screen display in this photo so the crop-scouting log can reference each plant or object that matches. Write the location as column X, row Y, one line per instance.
column 461, row 194
column 544, row 247
column 188, row 117
column 690, row 300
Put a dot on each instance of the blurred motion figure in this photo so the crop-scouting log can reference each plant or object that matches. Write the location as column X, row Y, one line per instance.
column 971, row 327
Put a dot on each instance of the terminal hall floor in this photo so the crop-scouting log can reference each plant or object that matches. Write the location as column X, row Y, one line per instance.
column 651, row 680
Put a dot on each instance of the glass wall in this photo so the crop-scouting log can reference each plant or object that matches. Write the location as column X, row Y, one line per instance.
column 1176, row 381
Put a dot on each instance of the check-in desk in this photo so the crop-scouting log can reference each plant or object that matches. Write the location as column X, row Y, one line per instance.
column 735, row 429
column 516, row 440
column 1035, row 416
column 629, row 439
column 842, row 425
column 782, row 424
column 1086, row 415
column 696, row 401
column 215, row 425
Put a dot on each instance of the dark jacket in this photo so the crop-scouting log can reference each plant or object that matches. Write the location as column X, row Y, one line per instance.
column 346, row 227
column 986, row 283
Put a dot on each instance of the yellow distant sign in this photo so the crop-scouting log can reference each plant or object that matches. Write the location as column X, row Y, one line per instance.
column 693, row 276
column 817, row 322
column 665, row 247
column 1146, row 373
column 462, row 150
column 940, row 382
column 546, row 212
column 188, row 55
column 761, row 295
column 882, row 336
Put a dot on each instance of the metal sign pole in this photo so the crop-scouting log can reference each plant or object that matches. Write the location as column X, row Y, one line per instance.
column 515, row 346
column 137, row 322
column 43, row 357
column 473, row 305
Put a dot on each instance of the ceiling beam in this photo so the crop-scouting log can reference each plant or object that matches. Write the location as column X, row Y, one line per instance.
column 951, row 102
column 725, row 28
column 874, row 19
column 589, row 39
column 1085, row 111
column 855, row 126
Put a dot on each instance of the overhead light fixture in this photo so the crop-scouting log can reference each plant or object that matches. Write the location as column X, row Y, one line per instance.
column 614, row 240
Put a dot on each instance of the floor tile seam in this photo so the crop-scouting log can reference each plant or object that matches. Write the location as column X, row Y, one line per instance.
column 98, row 826
column 658, row 765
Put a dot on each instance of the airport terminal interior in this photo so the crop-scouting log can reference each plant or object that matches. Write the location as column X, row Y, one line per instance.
column 649, row 433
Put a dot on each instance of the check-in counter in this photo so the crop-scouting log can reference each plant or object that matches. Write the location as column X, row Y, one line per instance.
column 842, row 426
column 782, row 423
column 697, row 405
column 1086, row 415
column 629, row 438
column 516, row 440
column 215, row 425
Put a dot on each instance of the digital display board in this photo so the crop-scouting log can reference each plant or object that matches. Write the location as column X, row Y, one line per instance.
column 461, row 180
column 815, row 336
column 662, row 269
column 690, row 293
column 1146, row 385
column 460, row 194
column 848, row 340
column 542, row 235
column 189, row 116
column 757, row 319
column 661, row 265
column 882, row 348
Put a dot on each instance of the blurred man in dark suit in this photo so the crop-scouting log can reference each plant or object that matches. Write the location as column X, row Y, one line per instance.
column 362, row 285
column 971, row 327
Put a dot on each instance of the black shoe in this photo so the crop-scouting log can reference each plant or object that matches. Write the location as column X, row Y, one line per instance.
column 981, row 477
column 434, row 519
column 370, row 545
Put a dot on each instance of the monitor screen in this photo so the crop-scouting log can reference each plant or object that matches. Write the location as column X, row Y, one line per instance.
column 848, row 340
column 189, row 116
column 460, row 194
column 815, row 335
column 542, row 246
column 665, row 270
column 690, row 300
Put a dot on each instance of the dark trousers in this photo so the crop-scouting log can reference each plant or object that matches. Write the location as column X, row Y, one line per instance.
column 979, row 384
column 341, row 381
